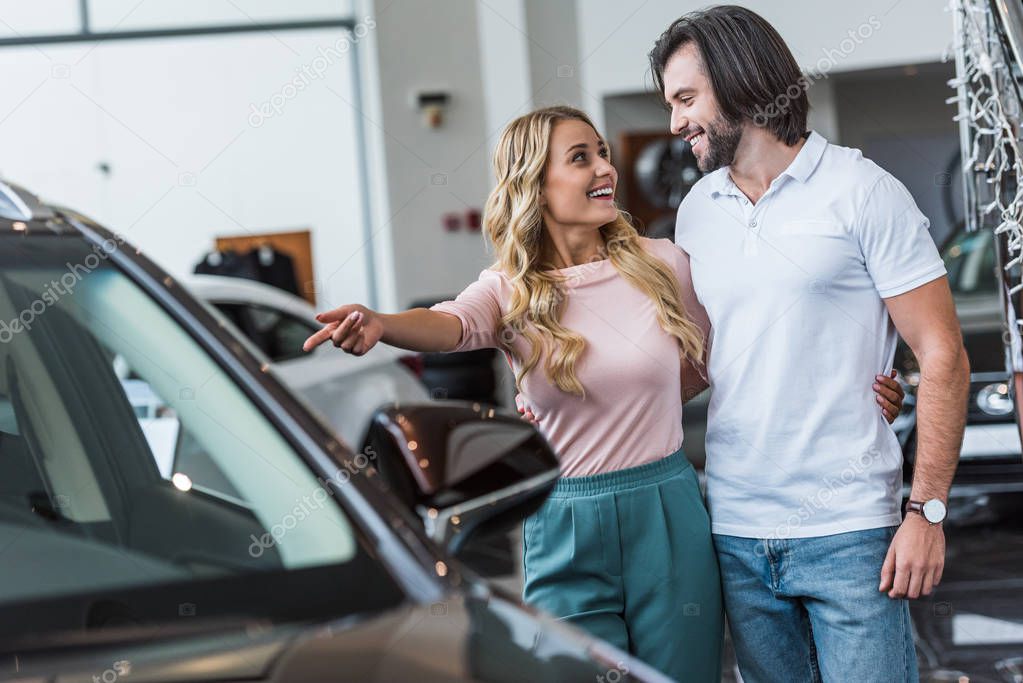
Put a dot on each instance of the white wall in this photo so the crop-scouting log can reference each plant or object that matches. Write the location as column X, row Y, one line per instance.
column 504, row 65
column 430, row 172
column 553, row 52
column 615, row 37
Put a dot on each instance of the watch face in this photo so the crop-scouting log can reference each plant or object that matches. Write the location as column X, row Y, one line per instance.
column 934, row 511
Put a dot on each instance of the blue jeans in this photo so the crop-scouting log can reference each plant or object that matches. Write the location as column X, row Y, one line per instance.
column 808, row 609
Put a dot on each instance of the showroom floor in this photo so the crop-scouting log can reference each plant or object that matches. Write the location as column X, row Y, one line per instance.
column 971, row 625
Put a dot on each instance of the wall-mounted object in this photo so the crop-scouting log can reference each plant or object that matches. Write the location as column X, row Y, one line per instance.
column 431, row 104
column 452, row 222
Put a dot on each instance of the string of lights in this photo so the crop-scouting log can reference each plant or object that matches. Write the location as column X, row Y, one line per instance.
column 987, row 83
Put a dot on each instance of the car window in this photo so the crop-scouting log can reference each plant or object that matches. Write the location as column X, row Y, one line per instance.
column 970, row 262
column 175, row 451
column 129, row 458
column 276, row 333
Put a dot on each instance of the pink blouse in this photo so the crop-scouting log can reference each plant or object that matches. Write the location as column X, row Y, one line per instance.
column 630, row 369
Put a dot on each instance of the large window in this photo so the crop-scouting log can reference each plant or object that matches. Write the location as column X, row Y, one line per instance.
column 66, row 17
column 174, row 140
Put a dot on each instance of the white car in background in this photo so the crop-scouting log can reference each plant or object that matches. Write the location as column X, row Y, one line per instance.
column 346, row 390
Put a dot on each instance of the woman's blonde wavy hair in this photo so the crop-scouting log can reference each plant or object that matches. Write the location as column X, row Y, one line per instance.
column 513, row 224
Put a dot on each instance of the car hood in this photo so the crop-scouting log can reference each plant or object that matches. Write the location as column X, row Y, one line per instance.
column 482, row 637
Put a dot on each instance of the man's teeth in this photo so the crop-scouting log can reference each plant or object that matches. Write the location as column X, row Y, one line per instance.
column 599, row 193
column 695, row 139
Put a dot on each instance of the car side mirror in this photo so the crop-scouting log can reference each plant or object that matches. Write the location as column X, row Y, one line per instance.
column 463, row 468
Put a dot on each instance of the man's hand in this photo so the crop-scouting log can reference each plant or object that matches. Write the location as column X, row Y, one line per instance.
column 915, row 560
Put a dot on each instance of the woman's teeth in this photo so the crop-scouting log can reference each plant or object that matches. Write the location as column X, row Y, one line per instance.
column 603, row 192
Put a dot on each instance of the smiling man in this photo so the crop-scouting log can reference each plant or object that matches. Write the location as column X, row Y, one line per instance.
column 809, row 259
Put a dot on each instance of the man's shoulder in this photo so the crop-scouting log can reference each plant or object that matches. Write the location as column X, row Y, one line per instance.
column 850, row 163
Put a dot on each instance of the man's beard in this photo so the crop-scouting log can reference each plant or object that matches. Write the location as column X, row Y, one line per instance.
column 722, row 141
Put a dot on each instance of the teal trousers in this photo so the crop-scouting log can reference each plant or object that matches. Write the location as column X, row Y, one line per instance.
column 628, row 556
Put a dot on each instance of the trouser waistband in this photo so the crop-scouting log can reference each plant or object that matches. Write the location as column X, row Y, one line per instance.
column 631, row 477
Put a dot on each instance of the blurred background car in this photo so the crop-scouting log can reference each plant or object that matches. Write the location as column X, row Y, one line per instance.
column 465, row 375
column 345, row 389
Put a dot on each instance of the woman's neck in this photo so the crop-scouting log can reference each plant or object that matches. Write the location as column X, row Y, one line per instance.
column 567, row 250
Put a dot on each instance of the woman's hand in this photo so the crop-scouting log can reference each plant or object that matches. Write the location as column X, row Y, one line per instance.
column 889, row 396
column 352, row 328
column 525, row 411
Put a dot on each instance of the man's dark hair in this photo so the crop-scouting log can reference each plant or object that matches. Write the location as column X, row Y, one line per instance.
column 751, row 69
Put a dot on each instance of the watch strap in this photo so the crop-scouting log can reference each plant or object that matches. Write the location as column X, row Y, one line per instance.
column 917, row 506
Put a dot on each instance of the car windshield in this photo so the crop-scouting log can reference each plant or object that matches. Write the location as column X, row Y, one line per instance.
column 138, row 482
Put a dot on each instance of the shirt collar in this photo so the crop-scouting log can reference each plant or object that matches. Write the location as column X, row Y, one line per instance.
column 719, row 182
column 801, row 168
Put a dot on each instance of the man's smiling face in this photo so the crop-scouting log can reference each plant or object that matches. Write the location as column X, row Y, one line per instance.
column 695, row 114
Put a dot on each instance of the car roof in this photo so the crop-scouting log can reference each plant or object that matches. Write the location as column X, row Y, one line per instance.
column 220, row 288
column 23, row 213
column 18, row 204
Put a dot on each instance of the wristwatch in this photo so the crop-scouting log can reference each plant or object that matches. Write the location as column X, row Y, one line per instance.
column 933, row 510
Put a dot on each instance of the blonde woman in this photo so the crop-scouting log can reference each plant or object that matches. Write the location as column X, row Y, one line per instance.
column 603, row 330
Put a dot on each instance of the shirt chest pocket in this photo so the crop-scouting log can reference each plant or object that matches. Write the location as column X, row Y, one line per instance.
column 821, row 228
column 816, row 249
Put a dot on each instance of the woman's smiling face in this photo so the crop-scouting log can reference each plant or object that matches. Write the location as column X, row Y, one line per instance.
column 579, row 181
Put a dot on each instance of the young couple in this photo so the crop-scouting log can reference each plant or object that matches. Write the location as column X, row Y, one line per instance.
column 796, row 261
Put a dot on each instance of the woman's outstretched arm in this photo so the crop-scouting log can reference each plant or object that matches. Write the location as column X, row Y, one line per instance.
column 356, row 329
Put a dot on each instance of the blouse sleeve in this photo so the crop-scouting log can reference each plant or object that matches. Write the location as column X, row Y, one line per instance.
column 478, row 308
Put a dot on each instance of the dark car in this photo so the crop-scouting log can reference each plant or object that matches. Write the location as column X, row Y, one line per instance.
column 262, row 548
column 971, row 627
column 991, row 456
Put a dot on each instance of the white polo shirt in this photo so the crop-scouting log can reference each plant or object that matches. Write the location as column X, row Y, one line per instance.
column 796, row 443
